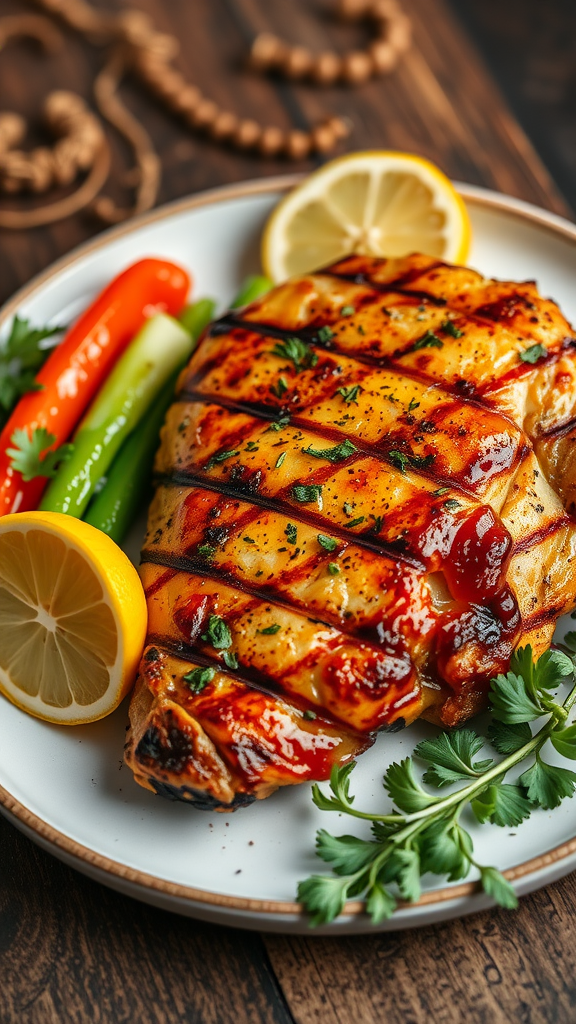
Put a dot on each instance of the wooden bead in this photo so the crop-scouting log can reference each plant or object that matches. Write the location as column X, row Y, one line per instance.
column 323, row 138
column 298, row 145
column 352, row 10
column 267, row 52
column 384, row 56
column 187, row 101
column 327, row 68
column 339, row 128
column 170, row 84
column 271, row 141
column 12, row 130
column 247, row 134
column 205, row 114
column 400, row 34
column 224, row 126
column 357, row 67
column 298, row 62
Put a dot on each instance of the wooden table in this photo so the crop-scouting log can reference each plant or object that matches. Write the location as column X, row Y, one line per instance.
column 74, row 951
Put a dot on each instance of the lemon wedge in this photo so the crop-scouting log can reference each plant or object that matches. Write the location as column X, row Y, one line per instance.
column 72, row 618
column 377, row 203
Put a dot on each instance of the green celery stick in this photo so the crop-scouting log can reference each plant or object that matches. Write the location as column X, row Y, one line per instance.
column 195, row 318
column 160, row 348
column 252, row 288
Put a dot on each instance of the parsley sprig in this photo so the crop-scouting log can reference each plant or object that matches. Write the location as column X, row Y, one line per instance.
column 424, row 832
column 31, row 456
column 21, row 355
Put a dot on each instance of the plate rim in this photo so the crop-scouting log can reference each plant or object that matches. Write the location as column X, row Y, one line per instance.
column 474, row 194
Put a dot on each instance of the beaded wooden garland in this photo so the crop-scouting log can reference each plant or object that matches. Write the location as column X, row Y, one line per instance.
column 137, row 48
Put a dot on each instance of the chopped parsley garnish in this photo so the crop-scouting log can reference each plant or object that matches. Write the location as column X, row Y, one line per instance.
column 297, row 351
column 422, row 461
column 248, row 540
column 413, row 405
column 217, row 633
column 306, row 493
column 309, row 716
column 279, row 389
column 347, row 508
column 280, row 460
column 357, row 521
column 279, row 424
column 440, row 492
column 198, row 678
column 251, row 446
column 221, row 457
column 291, row 532
column 347, row 311
column 377, row 523
column 325, row 334
column 399, row 459
column 449, row 328
column 350, row 394
column 207, row 551
column 360, row 329
column 328, row 543
column 333, row 569
column 270, row 630
column 26, row 455
column 337, row 454
column 451, row 504
column 230, row 659
column 533, row 354
column 428, row 340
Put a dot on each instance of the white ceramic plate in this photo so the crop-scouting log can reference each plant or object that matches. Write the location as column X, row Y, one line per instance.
column 68, row 789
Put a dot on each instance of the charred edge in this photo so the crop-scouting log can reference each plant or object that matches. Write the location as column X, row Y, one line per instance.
column 460, row 390
column 519, row 371
column 253, row 679
column 375, row 451
column 267, row 595
column 532, row 539
column 197, row 799
column 542, row 617
column 396, row 286
column 292, row 513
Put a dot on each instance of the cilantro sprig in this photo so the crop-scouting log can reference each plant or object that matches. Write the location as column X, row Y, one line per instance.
column 423, row 831
column 32, row 456
column 21, row 355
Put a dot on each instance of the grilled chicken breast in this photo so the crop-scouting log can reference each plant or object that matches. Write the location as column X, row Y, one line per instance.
column 363, row 506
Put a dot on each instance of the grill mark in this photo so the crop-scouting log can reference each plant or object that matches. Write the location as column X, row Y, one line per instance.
column 541, row 534
column 299, row 515
column 541, row 618
column 249, row 677
column 365, row 448
column 521, row 370
column 452, row 391
column 392, row 287
column 266, row 595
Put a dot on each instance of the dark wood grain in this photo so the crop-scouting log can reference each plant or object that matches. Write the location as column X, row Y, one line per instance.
column 72, row 951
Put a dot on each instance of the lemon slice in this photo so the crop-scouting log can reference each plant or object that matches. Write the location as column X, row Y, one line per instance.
column 72, row 618
column 377, row 203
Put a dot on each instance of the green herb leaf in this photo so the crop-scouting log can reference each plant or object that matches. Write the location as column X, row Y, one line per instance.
column 346, row 854
column 413, row 405
column 206, row 550
column 350, row 394
column 27, row 457
column 337, row 454
column 22, row 354
column 248, row 540
column 356, row 522
column 328, row 543
column 347, row 311
column 548, row 785
column 511, row 702
column 533, row 354
column 291, row 532
column 440, row 492
column 403, row 868
column 222, row 457
column 445, row 849
column 495, row 885
column 325, row 334
column 451, row 504
column 448, row 327
column 270, row 630
column 333, row 568
column 399, row 459
column 404, row 789
column 279, row 424
column 564, row 741
column 507, row 739
column 309, row 716
column 217, row 633
column 380, row 905
column 280, row 460
column 451, row 757
column 279, row 389
column 551, row 669
column 230, row 659
column 503, row 805
column 297, row 351
column 347, row 508
column 198, row 678
column 323, row 897
column 428, row 340
column 306, row 493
